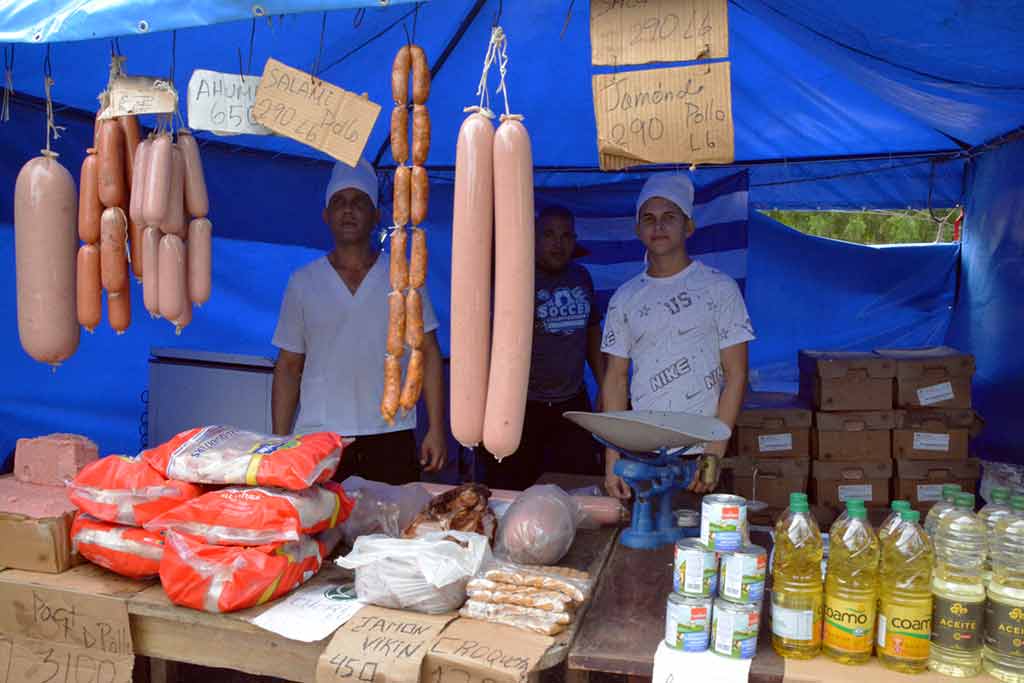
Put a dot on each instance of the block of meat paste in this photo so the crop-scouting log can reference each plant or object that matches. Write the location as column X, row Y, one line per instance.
column 54, row 459
column 539, row 621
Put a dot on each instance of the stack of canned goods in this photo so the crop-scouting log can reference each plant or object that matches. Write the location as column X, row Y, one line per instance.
column 718, row 584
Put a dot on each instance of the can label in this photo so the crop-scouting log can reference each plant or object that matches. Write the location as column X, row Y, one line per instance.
column 905, row 631
column 849, row 624
column 742, row 577
column 696, row 572
column 956, row 624
column 687, row 627
column 734, row 633
column 1004, row 628
column 722, row 524
column 802, row 625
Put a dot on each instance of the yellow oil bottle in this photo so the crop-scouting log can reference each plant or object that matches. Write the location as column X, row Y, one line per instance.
column 797, row 586
column 1003, row 653
column 851, row 590
column 905, row 604
column 958, row 594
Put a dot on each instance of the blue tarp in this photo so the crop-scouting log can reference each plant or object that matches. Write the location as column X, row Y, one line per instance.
column 836, row 105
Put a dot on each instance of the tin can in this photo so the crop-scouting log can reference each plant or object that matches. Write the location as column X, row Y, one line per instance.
column 687, row 519
column 687, row 623
column 741, row 577
column 723, row 522
column 734, row 629
column 695, row 569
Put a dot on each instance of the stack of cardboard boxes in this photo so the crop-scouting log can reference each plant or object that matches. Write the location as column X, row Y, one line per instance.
column 771, row 450
column 893, row 423
column 933, row 389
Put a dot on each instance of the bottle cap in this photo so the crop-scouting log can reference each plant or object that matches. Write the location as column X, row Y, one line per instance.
column 910, row 515
column 949, row 491
column 854, row 503
column 1000, row 494
column 899, row 505
column 798, row 504
column 1017, row 502
column 858, row 513
column 964, row 501
column 796, row 497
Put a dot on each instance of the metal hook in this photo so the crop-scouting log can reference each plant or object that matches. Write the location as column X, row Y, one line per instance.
column 252, row 45
column 241, row 72
column 568, row 16
column 357, row 20
column 174, row 54
column 497, row 16
column 47, row 63
column 320, row 51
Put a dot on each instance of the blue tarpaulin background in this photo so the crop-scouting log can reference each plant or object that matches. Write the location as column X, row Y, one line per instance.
column 836, row 105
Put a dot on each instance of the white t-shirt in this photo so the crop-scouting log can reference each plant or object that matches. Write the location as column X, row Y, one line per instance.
column 343, row 336
column 673, row 329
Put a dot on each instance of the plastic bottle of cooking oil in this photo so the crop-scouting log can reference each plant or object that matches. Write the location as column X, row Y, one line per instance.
column 958, row 596
column 851, row 590
column 905, row 591
column 797, row 589
column 990, row 514
column 1003, row 653
column 892, row 521
column 931, row 520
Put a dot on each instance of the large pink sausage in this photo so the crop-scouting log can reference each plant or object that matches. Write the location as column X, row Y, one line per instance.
column 175, row 222
column 158, row 181
column 196, row 199
column 200, row 237
column 171, row 276
column 513, row 289
column 151, row 269
column 472, row 223
column 46, row 249
column 140, row 168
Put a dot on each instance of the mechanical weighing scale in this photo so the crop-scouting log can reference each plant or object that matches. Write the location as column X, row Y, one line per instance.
column 654, row 463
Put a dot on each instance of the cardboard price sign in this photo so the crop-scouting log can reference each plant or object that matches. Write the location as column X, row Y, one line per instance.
column 299, row 106
column 133, row 95
column 223, row 103
column 34, row 661
column 645, row 31
column 664, row 116
column 472, row 651
column 380, row 645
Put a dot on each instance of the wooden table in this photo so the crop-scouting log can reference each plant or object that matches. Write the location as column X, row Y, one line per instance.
column 626, row 621
column 166, row 632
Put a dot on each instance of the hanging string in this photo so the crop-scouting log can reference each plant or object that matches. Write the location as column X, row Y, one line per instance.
column 174, row 54
column 415, row 18
column 5, row 108
column 502, row 54
column 252, row 46
column 568, row 16
column 497, row 38
column 320, row 51
column 357, row 20
column 52, row 129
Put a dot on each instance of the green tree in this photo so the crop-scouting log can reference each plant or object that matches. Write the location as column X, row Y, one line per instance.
column 872, row 227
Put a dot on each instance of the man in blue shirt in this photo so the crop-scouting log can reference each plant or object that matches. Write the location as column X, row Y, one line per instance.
column 566, row 334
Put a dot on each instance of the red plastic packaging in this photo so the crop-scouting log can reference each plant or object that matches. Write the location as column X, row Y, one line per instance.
column 224, row 579
column 225, row 455
column 127, row 491
column 124, row 550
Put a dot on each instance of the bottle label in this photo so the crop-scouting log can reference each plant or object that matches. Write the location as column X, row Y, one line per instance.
column 796, row 624
column 1004, row 628
column 905, row 631
column 849, row 624
column 956, row 624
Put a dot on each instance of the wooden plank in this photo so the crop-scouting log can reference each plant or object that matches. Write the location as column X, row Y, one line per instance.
column 86, row 578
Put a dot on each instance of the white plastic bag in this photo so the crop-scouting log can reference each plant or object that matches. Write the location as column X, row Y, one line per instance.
column 539, row 527
column 427, row 574
column 381, row 508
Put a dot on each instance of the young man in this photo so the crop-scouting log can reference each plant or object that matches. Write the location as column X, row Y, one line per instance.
column 566, row 333
column 332, row 332
column 683, row 326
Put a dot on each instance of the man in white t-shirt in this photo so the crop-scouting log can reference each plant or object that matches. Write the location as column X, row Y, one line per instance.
column 332, row 332
column 682, row 325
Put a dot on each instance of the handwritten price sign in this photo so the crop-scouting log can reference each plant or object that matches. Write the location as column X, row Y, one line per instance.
column 645, row 31
column 223, row 103
column 314, row 112
column 664, row 116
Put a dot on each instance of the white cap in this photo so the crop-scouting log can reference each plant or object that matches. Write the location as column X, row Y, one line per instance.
column 362, row 177
column 675, row 187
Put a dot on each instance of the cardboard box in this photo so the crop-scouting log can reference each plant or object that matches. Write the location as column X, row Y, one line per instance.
column 920, row 481
column 834, row 483
column 845, row 380
column 937, row 377
column 933, row 435
column 864, row 435
column 38, row 545
column 769, row 480
column 774, row 426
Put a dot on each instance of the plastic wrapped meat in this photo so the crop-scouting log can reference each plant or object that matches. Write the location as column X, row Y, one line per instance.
column 464, row 508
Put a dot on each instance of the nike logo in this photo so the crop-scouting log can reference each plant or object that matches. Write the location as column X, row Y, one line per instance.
column 683, row 333
column 694, row 394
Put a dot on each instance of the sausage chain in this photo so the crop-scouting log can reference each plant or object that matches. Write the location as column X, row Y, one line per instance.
column 411, row 194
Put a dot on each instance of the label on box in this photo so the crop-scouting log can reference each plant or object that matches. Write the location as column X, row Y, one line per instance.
column 937, row 393
column 923, row 441
column 855, row 492
column 927, row 493
column 769, row 443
